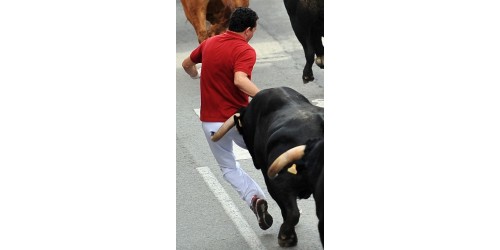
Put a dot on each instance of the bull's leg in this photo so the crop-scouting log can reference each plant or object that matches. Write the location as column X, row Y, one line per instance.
column 287, row 201
column 241, row 3
column 302, row 32
column 287, row 236
column 307, row 74
column 201, row 28
column 319, row 214
column 303, row 35
column 319, row 50
column 320, row 229
column 218, row 28
column 218, row 13
column 197, row 18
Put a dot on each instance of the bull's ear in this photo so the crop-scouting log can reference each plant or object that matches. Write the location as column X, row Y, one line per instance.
column 237, row 121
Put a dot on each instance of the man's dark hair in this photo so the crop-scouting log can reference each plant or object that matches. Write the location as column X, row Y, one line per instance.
column 242, row 18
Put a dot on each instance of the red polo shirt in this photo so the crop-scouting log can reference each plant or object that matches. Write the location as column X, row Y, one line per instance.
column 221, row 56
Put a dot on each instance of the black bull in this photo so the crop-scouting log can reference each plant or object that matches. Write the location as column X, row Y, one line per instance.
column 307, row 20
column 275, row 121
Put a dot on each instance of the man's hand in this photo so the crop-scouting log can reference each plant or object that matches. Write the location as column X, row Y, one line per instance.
column 197, row 76
column 190, row 68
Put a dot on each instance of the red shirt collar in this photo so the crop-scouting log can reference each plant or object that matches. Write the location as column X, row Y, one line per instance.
column 234, row 34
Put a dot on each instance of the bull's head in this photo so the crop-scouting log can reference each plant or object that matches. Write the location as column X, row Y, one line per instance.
column 313, row 149
column 291, row 155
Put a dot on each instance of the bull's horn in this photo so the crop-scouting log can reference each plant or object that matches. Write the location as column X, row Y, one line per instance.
column 224, row 128
column 284, row 159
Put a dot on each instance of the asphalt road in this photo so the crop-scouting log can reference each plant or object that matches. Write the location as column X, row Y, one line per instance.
column 85, row 99
column 209, row 213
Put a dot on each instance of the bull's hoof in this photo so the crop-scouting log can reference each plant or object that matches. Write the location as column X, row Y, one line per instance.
column 320, row 60
column 307, row 79
column 289, row 241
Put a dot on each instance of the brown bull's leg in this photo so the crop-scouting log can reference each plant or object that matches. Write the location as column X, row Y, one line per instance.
column 196, row 14
column 200, row 25
column 216, row 29
column 238, row 3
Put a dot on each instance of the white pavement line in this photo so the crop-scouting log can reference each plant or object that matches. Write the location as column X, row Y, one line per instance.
column 230, row 208
column 318, row 102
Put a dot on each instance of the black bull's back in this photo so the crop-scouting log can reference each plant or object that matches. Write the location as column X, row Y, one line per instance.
column 275, row 121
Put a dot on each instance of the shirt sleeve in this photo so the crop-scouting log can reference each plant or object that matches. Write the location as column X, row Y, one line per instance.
column 195, row 55
column 245, row 61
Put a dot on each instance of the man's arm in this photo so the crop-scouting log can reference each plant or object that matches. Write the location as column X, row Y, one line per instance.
column 190, row 68
column 242, row 81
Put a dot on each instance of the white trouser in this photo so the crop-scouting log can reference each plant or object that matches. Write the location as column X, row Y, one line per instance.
column 231, row 171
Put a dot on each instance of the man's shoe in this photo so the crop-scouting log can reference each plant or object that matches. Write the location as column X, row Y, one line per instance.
column 259, row 207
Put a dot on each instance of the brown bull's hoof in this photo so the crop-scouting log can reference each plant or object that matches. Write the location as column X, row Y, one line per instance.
column 291, row 241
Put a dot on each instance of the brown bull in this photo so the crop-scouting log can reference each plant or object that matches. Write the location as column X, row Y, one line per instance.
column 216, row 12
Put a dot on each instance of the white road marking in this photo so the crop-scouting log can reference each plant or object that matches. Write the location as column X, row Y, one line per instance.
column 269, row 51
column 231, row 210
column 319, row 102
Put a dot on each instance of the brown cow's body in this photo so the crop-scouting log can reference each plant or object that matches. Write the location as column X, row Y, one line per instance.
column 216, row 12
